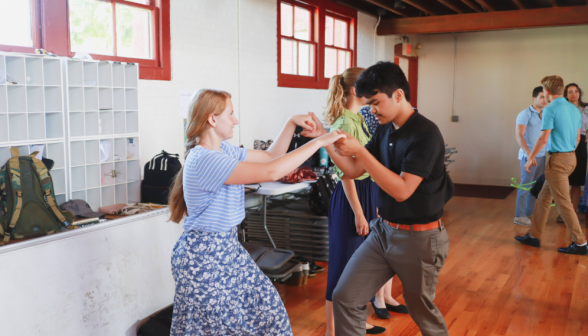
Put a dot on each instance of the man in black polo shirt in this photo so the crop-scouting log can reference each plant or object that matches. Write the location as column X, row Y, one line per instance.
column 406, row 159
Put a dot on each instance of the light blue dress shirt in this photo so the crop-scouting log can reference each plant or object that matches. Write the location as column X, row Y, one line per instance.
column 531, row 118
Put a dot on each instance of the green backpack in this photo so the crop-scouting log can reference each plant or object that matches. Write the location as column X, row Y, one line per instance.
column 27, row 199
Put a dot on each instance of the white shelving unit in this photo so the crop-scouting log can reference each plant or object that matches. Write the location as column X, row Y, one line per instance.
column 32, row 111
column 103, row 131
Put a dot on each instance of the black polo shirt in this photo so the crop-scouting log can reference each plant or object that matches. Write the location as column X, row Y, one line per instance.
column 416, row 148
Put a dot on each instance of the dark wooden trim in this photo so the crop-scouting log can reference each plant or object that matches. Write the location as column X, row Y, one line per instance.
column 554, row 3
column 473, row 5
column 486, row 5
column 519, row 4
column 383, row 4
column 453, row 6
column 421, row 6
column 528, row 18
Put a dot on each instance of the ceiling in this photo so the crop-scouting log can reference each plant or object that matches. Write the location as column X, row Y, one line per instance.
column 389, row 9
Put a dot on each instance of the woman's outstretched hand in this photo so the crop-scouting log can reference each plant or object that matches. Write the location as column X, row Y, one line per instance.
column 318, row 130
column 330, row 138
column 305, row 121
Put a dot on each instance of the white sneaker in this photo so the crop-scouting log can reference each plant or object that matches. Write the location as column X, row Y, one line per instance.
column 524, row 221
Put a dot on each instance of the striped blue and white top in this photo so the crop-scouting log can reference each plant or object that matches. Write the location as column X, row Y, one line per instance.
column 212, row 205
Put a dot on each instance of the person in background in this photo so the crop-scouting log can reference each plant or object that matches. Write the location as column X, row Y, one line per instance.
column 219, row 288
column 560, row 131
column 573, row 94
column 527, row 132
column 354, row 202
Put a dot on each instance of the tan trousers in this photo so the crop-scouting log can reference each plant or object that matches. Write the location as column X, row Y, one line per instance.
column 558, row 168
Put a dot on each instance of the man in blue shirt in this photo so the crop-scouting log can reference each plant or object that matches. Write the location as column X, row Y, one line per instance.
column 527, row 132
column 560, row 130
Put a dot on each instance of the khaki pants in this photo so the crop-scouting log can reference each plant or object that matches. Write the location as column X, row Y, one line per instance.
column 417, row 258
column 558, row 168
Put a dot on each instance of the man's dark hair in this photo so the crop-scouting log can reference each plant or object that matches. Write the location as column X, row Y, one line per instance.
column 537, row 91
column 385, row 77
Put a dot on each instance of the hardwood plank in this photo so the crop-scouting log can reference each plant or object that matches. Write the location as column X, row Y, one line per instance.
column 490, row 285
column 528, row 18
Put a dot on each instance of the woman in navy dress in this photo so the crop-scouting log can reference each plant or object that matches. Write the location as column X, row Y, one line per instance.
column 219, row 288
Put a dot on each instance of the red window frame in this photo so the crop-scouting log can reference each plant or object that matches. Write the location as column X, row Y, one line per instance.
column 51, row 32
column 351, row 40
column 321, row 8
column 312, row 32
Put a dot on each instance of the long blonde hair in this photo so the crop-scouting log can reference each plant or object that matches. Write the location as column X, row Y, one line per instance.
column 203, row 104
column 339, row 92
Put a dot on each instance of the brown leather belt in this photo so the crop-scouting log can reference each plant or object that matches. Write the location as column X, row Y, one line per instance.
column 415, row 227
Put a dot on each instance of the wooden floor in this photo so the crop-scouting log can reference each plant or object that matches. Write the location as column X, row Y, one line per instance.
column 490, row 284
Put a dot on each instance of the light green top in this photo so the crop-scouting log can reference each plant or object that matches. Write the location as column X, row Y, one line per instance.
column 352, row 123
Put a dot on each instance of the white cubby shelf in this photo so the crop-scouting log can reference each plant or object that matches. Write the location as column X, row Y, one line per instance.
column 103, row 131
column 32, row 112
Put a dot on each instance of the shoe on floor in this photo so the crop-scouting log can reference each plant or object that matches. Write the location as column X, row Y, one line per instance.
column 381, row 312
column 400, row 309
column 375, row 330
column 524, row 221
column 559, row 219
column 574, row 249
column 528, row 240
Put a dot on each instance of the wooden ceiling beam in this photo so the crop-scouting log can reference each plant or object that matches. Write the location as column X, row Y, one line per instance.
column 526, row 18
column 486, row 5
column 473, row 5
column 359, row 6
column 554, row 3
column 385, row 5
column 519, row 4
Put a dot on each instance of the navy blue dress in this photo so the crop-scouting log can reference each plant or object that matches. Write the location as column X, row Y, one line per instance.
column 343, row 237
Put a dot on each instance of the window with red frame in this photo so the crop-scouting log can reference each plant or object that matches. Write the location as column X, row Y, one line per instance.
column 297, row 48
column 135, row 31
column 316, row 40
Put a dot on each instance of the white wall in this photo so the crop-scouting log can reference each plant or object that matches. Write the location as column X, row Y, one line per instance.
column 495, row 75
column 229, row 45
column 96, row 281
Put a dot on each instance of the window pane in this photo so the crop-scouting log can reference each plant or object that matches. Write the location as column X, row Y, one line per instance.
column 286, row 19
column 347, row 59
column 288, row 55
column 90, row 26
column 330, row 62
column 328, row 30
column 340, row 34
column 305, row 59
column 15, row 25
column 341, row 64
column 133, row 32
column 302, row 23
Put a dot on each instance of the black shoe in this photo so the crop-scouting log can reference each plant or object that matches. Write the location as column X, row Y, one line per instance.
column 316, row 268
column 574, row 249
column 375, row 330
column 381, row 312
column 528, row 240
column 400, row 309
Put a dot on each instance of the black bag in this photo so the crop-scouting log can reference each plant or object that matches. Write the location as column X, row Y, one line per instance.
column 158, row 325
column 320, row 194
column 537, row 186
column 159, row 174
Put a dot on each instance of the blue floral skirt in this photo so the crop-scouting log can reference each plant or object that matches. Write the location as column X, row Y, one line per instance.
column 221, row 291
